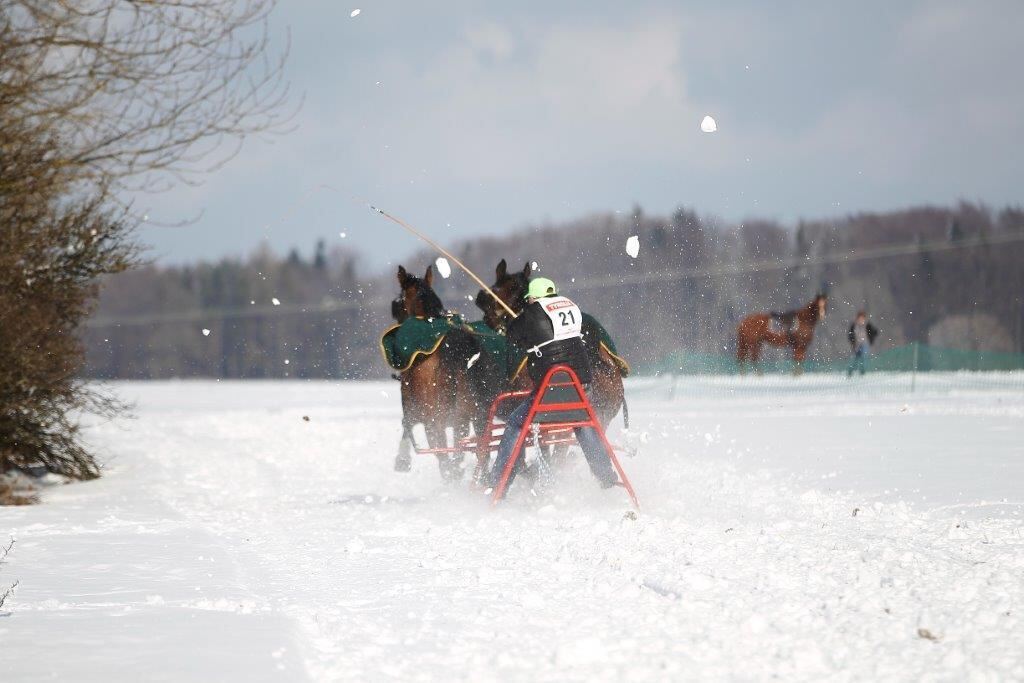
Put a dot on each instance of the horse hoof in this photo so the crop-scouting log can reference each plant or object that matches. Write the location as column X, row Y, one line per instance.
column 403, row 463
column 451, row 469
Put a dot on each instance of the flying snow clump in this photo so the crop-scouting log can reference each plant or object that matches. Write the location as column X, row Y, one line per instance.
column 206, row 332
column 534, row 266
column 275, row 301
column 355, row 13
column 442, row 267
column 633, row 246
column 708, row 125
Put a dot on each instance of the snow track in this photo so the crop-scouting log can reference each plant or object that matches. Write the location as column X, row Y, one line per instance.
column 232, row 539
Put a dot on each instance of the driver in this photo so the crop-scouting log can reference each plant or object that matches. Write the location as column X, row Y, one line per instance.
column 549, row 332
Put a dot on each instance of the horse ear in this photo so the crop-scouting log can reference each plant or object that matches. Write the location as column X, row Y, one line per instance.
column 502, row 270
column 527, row 270
column 482, row 300
column 429, row 277
column 402, row 276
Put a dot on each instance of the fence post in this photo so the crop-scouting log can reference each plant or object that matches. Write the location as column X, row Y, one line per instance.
column 913, row 375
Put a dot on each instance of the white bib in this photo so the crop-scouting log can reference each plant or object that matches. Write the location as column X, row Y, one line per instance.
column 566, row 318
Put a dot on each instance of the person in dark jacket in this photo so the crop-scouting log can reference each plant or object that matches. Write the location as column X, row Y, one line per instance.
column 549, row 332
column 861, row 336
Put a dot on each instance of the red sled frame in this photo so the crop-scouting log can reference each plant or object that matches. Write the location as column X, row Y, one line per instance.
column 556, row 417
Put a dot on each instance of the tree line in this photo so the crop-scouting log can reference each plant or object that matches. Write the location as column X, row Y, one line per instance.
column 946, row 276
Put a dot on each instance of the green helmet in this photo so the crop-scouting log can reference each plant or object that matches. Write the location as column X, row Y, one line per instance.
column 541, row 287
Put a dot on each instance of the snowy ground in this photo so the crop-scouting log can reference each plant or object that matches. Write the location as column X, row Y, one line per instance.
column 848, row 531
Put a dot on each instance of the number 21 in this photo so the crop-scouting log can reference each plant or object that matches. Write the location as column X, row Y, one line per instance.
column 567, row 318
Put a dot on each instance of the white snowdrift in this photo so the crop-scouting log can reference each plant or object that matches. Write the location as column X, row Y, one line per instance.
column 231, row 539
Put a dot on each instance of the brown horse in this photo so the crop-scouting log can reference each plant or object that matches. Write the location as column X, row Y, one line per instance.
column 434, row 392
column 437, row 390
column 608, row 394
column 755, row 330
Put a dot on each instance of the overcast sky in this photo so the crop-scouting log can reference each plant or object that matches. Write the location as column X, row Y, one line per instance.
column 477, row 117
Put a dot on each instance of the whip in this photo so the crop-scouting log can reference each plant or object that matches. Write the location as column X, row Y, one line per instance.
column 447, row 253
column 394, row 219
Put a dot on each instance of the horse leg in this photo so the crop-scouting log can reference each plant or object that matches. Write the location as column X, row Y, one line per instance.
column 459, row 433
column 755, row 358
column 403, row 461
column 469, row 414
column 482, row 432
column 438, row 438
column 607, row 396
column 799, row 353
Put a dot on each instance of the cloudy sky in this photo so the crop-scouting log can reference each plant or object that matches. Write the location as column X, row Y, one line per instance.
column 478, row 117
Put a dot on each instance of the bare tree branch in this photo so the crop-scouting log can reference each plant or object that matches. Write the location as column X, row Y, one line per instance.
column 97, row 98
column 10, row 591
column 141, row 91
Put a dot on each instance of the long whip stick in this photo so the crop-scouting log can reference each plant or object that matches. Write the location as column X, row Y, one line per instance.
column 447, row 253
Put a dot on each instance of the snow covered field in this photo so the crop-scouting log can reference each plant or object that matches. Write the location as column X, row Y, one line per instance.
column 786, row 531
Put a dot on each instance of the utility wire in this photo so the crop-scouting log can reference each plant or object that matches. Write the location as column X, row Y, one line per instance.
column 330, row 305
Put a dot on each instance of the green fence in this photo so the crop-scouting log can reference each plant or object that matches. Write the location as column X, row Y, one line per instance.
column 911, row 358
column 915, row 369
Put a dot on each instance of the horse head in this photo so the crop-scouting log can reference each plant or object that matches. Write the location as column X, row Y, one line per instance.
column 821, row 304
column 814, row 311
column 510, row 288
column 418, row 296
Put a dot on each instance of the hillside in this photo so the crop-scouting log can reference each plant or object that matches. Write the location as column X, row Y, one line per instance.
column 945, row 276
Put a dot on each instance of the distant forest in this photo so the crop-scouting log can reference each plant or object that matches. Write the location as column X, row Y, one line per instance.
column 951, row 277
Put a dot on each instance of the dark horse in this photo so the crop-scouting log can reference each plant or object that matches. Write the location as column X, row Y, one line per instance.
column 451, row 387
column 755, row 330
column 608, row 394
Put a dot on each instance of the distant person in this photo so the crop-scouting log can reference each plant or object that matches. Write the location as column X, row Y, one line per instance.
column 548, row 332
column 861, row 335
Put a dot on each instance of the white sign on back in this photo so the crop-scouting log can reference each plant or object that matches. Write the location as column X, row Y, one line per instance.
column 566, row 318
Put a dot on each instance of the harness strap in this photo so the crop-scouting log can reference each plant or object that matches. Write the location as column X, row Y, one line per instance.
column 536, row 350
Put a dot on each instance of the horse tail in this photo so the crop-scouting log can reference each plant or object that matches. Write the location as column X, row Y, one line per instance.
column 625, row 413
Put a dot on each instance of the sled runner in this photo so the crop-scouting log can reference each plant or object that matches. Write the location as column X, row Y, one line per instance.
column 560, row 407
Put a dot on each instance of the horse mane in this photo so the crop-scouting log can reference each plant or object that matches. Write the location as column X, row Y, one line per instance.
column 809, row 313
column 517, row 284
column 519, row 281
column 522, row 283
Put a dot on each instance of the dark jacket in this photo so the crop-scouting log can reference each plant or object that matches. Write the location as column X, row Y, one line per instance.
column 533, row 327
column 872, row 331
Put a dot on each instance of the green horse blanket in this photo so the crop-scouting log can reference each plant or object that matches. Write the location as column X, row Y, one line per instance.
column 605, row 340
column 402, row 344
